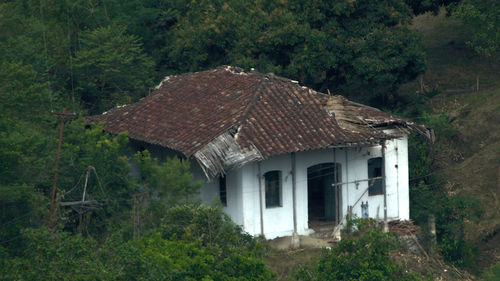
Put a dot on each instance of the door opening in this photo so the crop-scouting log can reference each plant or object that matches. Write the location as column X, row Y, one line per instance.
column 322, row 198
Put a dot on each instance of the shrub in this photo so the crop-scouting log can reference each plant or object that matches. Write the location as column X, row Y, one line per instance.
column 362, row 254
column 493, row 274
column 207, row 225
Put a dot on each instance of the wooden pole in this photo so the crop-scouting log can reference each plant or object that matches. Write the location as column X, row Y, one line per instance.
column 421, row 84
column 62, row 115
column 432, row 230
column 138, row 198
column 335, row 187
column 261, row 205
column 386, row 226
column 295, row 243
column 79, row 228
column 294, row 191
column 136, row 216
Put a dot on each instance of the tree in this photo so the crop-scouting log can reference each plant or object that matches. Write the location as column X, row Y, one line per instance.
column 429, row 196
column 422, row 6
column 359, row 48
column 168, row 184
column 59, row 255
column 55, row 256
column 482, row 18
column 111, row 68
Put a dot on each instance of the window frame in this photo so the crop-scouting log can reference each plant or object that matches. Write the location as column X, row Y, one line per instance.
column 223, row 190
column 371, row 183
column 276, row 202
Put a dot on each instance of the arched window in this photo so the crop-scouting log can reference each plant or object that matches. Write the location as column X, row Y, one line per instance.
column 272, row 180
column 375, row 171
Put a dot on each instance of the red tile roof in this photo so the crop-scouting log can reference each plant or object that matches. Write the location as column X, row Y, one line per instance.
column 263, row 113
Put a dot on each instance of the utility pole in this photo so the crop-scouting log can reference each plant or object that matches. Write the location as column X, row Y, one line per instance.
column 62, row 115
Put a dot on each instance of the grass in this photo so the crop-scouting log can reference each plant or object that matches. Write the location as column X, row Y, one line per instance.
column 450, row 64
column 469, row 162
column 284, row 262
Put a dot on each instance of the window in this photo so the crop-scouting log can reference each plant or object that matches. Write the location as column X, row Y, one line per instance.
column 375, row 171
column 272, row 181
column 223, row 190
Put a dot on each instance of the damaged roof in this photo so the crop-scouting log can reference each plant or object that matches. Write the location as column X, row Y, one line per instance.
column 226, row 117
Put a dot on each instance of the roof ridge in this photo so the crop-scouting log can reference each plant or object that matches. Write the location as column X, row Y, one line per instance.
column 243, row 120
column 265, row 79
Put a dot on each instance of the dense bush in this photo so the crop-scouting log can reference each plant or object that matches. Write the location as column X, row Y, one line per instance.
column 55, row 256
column 197, row 255
column 362, row 254
column 209, row 226
column 427, row 195
column 493, row 274
column 171, row 180
column 155, row 258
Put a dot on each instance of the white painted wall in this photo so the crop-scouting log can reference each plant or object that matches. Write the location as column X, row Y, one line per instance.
column 243, row 203
column 396, row 169
column 278, row 221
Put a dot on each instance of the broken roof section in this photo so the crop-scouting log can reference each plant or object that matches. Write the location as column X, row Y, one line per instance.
column 226, row 117
column 358, row 117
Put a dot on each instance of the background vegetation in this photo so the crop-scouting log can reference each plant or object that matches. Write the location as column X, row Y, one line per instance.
column 90, row 56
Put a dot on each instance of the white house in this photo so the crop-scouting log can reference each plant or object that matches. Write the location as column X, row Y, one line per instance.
column 280, row 156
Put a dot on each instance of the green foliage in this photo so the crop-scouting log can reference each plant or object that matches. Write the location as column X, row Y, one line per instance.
column 362, row 254
column 24, row 96
column 111, row 68
column 63, row 256
column 91, row 146
column 422, row 6
column 101, row 50
column 21, row 207
column 451, row 212
column 483, row 20
column 357, row 48
column 207, row 225
column 167, row 184
column 55, row 256
column 170, row 181
column 113, row 186
column 441, row 125
column 427, row 195
column 24, row 152
column 493, row 274
column 156, row 258
column 421, row 152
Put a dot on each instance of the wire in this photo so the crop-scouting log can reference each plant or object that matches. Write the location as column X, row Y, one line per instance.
column 42, row 17
column 21, row 235
column 22, row 216
column 99, row 181
column 70, row 57
column 71, row 190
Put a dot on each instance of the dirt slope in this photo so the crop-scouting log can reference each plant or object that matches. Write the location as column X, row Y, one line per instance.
column 470, row 162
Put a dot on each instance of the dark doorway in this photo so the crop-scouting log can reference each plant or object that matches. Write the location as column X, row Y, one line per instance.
column 321, row 195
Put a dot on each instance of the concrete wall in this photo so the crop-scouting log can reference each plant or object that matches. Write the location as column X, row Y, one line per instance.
column 278, row 221
column 396, row 169
column 243, row 203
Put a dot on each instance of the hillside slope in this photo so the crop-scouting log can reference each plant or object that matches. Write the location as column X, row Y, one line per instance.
column 470, row 161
